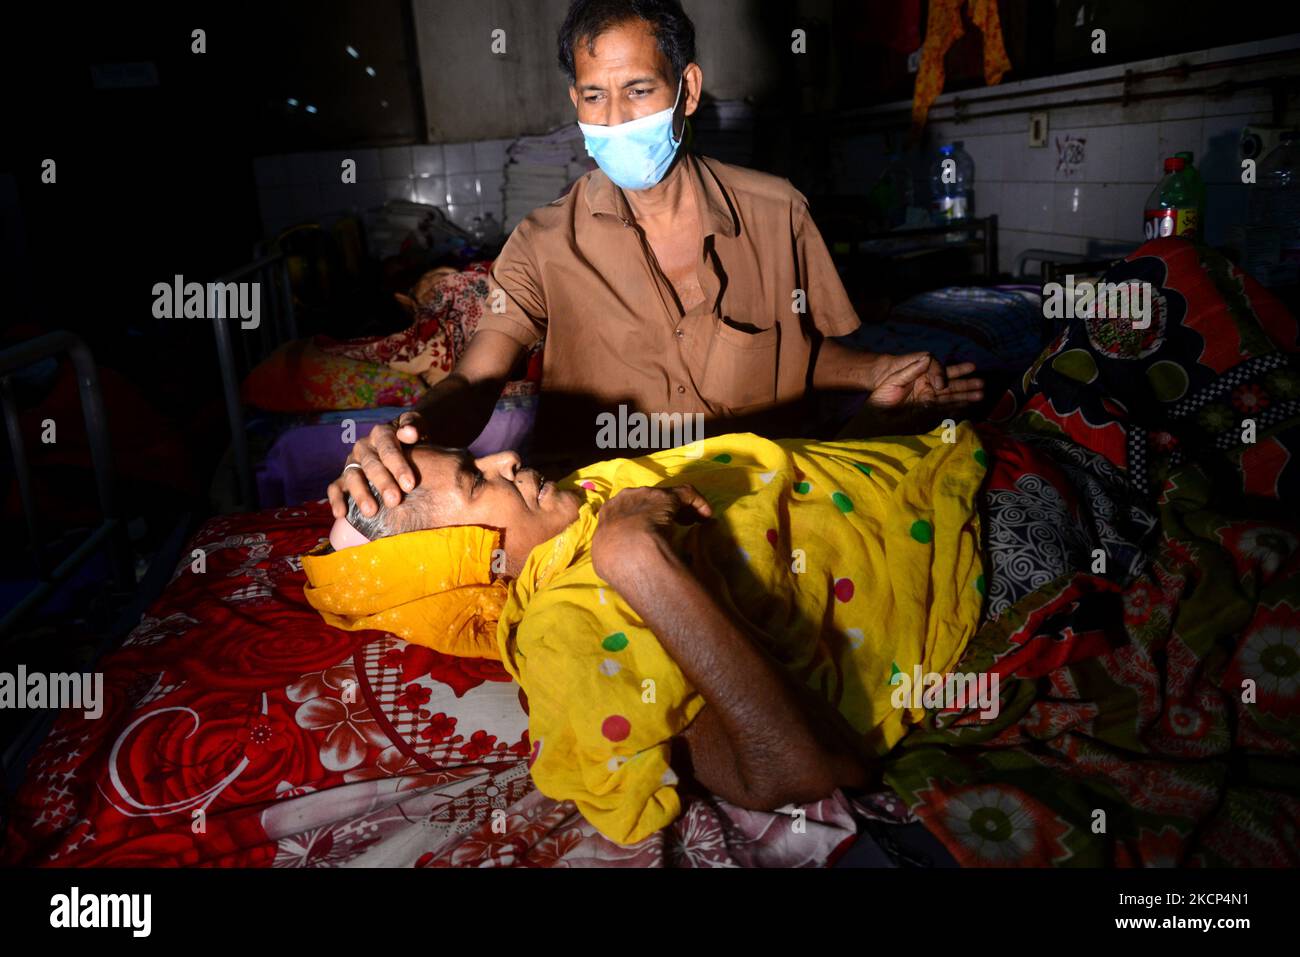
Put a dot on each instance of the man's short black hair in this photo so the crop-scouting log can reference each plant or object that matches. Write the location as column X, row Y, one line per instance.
column 588, row 19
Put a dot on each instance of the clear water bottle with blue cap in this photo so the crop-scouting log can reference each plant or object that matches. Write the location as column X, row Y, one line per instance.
column 1273, row 251
column 952, row 185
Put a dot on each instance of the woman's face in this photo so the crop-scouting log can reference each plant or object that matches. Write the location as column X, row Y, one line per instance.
column 454, row 488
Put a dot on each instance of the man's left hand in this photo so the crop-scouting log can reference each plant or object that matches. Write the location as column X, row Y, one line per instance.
column 918, row 382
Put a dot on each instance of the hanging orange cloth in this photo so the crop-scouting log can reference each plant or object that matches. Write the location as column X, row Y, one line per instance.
column 942, row 29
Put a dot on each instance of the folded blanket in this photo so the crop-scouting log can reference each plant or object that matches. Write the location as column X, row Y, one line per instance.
column 1150, row 700
column 1000, row 331
column 850, row 562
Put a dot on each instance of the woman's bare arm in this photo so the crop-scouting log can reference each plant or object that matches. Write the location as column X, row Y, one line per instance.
column 753, row 743
column 709, row 757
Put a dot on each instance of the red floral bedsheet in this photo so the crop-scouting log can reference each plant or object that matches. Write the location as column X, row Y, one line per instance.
column 238, row 729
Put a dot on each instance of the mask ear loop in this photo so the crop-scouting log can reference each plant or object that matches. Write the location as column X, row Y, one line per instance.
column 678, row 139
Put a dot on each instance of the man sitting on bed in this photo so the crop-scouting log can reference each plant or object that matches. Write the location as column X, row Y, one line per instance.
column 663, row 281
column 734, row 612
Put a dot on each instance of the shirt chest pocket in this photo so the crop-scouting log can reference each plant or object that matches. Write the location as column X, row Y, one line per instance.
column 741, row 367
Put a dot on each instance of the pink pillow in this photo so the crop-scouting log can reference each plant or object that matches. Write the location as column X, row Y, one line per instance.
column 344, row 535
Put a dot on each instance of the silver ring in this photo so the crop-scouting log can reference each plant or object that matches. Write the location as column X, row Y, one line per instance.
column 352, row 465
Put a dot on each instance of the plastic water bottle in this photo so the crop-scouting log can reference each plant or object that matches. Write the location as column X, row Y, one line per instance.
column 952, row 196
column 1275, row 203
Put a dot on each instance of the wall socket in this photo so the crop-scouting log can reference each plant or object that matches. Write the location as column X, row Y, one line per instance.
column 1037, row 129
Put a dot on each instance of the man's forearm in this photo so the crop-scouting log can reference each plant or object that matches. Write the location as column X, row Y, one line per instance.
column 455, row 410
column 773, row 742
column 841, row 368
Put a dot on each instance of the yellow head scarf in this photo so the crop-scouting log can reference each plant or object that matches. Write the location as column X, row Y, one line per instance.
column 435, row 588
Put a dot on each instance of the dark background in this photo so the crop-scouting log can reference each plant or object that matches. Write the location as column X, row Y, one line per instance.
column 158, row 180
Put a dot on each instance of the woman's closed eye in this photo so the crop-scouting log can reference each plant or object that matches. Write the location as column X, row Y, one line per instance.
column 469, row 469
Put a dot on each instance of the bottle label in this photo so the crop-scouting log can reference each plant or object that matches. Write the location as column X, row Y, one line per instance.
column 948, row 208
column 1159, row 223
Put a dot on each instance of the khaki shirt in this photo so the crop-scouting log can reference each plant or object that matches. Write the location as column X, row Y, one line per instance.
column 579, row 273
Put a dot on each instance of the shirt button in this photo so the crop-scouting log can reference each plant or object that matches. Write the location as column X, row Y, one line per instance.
column 681, row 389
column 679, row 333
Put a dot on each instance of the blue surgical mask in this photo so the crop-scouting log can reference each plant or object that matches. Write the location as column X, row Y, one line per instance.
column 635, row 154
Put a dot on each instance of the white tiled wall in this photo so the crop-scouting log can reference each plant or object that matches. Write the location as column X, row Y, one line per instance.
column 1097, row 208
column 1099, row 204
column 465, row 179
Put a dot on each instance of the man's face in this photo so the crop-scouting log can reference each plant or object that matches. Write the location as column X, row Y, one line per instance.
column 454, row 488
column 627, row 77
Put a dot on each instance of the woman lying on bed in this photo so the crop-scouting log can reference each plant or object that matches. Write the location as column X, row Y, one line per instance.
column 734, row 612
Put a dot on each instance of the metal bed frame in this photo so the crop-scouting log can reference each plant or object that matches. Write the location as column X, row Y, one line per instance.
column 109, row 535
column 270, row 268
column 111, row 532
column 278, row 324
column 1054, row 263
column 842, row 221
column 981, row 238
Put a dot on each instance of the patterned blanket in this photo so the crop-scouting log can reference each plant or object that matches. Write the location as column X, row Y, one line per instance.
column 240, row 730
column 1144, row 605
column 1000, row 330
column 322, row 374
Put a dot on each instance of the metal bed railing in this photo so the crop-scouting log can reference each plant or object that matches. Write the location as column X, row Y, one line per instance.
column 843, row 222
column 131, row 597
column 981, row 238
column 1055, row 263
column 240, row 349
column 110, row 533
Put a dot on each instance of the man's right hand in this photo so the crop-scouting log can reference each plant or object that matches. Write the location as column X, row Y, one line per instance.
column 461, row 404
column 383, row 461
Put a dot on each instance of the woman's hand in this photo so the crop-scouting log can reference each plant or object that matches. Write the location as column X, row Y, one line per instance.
column 754, row 743
column 636, row 517
column 383, row 462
